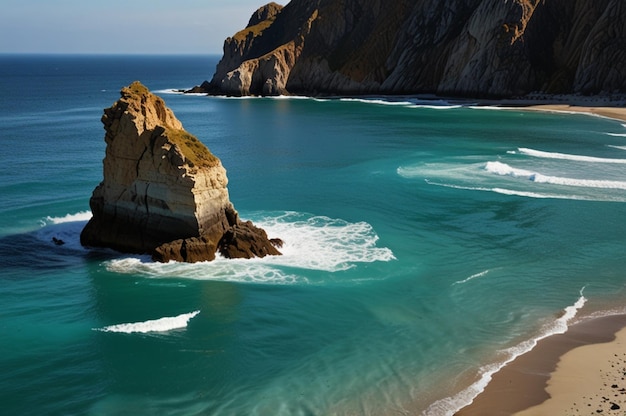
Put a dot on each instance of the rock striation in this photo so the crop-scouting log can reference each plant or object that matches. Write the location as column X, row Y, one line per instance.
column 164, row 192
column 478, row 48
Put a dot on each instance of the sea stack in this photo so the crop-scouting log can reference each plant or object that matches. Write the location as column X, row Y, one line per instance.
column 164, row 193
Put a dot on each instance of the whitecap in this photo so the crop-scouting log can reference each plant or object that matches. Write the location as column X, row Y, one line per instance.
column 617, row 147
column 157, row 325
column 565, row 156
column 64, row 231
column 616, row 134
column 451, row 405
column 79, row 216
column 503, row 169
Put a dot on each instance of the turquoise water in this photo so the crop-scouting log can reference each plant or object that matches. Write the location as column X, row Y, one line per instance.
column 425, row 247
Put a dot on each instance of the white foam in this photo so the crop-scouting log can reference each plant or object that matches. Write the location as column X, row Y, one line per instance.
column 617, row 147
column 451, row 405
column 379, row 101
column 617, row 134
column 503, row 169
column 171, row 91
column 156, row 325
column 436, row 107
column 79, row 216
column 564, row 156
column 310, row 243
column 65, row 230
column 472, row 277
column 539, row 195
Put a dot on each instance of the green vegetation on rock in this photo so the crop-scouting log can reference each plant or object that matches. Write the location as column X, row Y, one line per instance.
column 255, row 30
column 194, row 151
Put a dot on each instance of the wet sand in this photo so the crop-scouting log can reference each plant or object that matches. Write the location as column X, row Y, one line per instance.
column 581, row 372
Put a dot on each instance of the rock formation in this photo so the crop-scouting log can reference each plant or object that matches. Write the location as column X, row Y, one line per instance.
column 479, row 48
column 163, row 192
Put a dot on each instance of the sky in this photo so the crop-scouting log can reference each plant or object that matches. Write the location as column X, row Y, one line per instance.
column 122, row 26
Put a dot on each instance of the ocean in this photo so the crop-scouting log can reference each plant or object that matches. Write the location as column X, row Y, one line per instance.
column 427, row 244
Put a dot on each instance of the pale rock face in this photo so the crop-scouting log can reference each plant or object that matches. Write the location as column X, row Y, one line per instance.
column 160, row 183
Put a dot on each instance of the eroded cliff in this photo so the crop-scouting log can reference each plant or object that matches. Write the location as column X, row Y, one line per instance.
column 163, row 191
column 497, row 48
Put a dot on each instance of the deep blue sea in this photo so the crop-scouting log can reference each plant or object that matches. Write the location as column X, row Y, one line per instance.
column 427, row 244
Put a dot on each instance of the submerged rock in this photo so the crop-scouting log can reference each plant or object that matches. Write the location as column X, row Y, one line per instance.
column 163, row 193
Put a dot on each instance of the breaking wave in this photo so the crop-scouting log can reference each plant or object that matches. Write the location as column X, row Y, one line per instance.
column 450, row 405
column 156, row 325
column 64, row 230
column 310, row 243
column 503, row 169
column 564, row 156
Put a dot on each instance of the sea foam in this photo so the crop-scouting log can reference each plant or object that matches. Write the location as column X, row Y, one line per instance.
column 450, row 405
column 310, row 243
column 157, row 325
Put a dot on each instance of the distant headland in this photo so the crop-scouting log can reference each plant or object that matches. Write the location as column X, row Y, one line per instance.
column 454, row 48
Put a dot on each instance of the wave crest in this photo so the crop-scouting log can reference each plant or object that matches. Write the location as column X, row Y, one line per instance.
column 503, row 169
column 156, row 325
column 565, row 156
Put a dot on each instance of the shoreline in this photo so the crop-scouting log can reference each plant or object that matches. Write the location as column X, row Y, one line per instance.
column 614, row 113
column 548, row 378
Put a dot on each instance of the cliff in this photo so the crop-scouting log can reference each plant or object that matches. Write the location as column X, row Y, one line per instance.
column 479, row 48
column 163, row 191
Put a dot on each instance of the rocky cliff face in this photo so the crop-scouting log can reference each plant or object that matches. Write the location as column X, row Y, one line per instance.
column 497, row 48
column 161, row 185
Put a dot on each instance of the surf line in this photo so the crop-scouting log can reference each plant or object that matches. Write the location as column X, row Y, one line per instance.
column 450, row 405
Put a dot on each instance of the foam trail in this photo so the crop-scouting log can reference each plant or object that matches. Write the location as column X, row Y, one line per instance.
column 474, row 276
column 617, row 134
column 513, row 192
column 617, row 147
column 503, row 169
column 564, row 156
column 450, row 405
column 156, row 325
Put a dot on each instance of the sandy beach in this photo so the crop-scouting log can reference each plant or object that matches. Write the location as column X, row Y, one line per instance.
column 580, row 372
column 617, row 113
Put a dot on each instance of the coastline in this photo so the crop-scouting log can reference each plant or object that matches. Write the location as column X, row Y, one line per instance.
column 612, row 107
column 616, row 113
column 571, row 373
